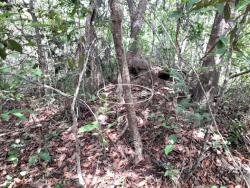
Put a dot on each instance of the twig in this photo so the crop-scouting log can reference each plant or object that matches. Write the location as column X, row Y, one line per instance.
column 239, row 74
column 75, row 123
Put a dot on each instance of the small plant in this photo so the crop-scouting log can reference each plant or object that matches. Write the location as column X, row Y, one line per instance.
column 170, row 147
column 171, row 172
column 156, row 117
column 8, row 181
column 89, row 127
column 19, row 113
column 14, row 152
column 42, row 154
column 94, row 126
column 237, row 130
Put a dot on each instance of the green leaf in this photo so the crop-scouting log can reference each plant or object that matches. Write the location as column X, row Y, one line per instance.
column 242, row 4
column 214, row 186
column 227, row 12
column 172, row 138
column 224, row 40
column 13, row 45
column 44, row 155
column 33, row 159
column 168, row 149
column 1, row 45
column 2, row 4
column 5, row 116
column 3, row 54
column 58, row 185
column 12, row 158
column 220, row 7
column 5, row 69
column 9, row 178
column 89, row 127
column 6, row 14
column 203, row 4
column 19, row 115
column 37, row 72
column 37, row 24
column 175, row 14
column 191, row 3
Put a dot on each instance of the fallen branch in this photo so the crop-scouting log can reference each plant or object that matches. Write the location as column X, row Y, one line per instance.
column 239, row 74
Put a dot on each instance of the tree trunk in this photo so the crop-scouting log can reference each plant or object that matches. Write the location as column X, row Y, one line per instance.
column 210, row 78
column 135, row 60
column 116, row 17
column 90, row 34
column 40, row 53
column 38, row 37
column 178, row 57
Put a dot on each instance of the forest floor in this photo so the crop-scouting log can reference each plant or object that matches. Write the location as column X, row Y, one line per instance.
column 198, row 159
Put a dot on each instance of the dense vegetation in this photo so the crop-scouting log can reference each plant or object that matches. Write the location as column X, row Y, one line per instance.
column 135, row 93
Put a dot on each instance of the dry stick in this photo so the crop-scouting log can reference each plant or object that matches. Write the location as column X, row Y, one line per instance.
column 239, row 74
column 74, row 116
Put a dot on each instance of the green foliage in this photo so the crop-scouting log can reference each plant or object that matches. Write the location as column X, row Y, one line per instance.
column 89, row 127
column 13, row 45
column 8, row 181
column 58, row 185
column 196, row 31
column 37, row 72
column 242, row 4
column 42, row 154
column 15, row 112
column 13, row 156
column 237, row 131
column 207, row 3
column 171, row 172
column 180, row 85
column 156, row 117
column 9, row 44
column 33, row 160
column 170, row 147
column 14, row 151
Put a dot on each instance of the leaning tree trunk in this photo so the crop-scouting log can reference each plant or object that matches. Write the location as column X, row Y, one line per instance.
column 116, row 17
column 210, row 78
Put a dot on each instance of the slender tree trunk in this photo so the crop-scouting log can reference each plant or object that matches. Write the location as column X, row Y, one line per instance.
column 210, row 78
column 40, row 53
column 38, row 37
column 116, row 17
column 90, row 34
column 134, row 57
column 177, row 43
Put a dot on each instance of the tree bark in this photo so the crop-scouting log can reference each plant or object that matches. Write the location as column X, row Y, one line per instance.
column 90, row 34
column 178, row 57
column 40, row 53
column 135, row 60
column 38, row 37
column 116, row 17
column 210, row 78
